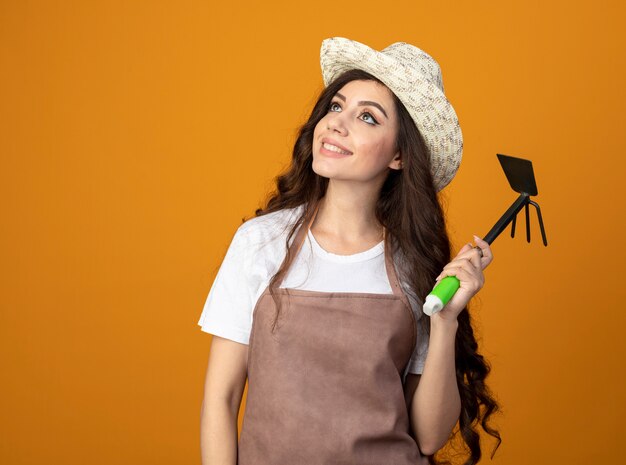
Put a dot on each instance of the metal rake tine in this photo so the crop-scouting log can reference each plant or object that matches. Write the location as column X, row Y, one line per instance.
column 527, row 223
column 543, row 231
column 513, row 225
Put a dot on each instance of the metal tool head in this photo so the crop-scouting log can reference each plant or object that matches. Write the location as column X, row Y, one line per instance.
column 519, row 173
column 521, row 177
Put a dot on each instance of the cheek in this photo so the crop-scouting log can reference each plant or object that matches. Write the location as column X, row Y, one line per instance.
column 321, row 124
column 317, row 133
column 376, row 150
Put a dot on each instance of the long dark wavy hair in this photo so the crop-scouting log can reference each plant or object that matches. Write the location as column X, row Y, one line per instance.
column 408, row 207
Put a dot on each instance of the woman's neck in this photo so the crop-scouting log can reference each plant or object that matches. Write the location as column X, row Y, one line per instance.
column 346, row 219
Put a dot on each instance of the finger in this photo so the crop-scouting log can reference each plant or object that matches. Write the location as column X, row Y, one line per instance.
column 464, row 249
column 483, row 251
column 463, row 263
column 484, row 246
column 475, row 256
column 470, row 280
column 470, row 260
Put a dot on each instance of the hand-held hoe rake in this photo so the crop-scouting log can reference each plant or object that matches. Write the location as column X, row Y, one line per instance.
column 521, row 177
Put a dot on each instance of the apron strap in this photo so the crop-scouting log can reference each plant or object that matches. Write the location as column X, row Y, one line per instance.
column 391, row 270
column 298, row 240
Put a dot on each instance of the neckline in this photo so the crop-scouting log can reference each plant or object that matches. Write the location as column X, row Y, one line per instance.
column 301, row 235
column 372, row 252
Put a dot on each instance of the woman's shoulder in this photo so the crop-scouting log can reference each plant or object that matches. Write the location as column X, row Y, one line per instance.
column 270, row 226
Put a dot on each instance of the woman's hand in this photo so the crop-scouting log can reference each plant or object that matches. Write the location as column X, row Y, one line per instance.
column 468, row 267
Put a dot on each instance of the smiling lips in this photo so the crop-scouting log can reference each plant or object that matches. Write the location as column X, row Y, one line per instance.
column 331, row 146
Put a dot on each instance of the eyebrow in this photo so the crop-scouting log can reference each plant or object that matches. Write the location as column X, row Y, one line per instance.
column 365, row 102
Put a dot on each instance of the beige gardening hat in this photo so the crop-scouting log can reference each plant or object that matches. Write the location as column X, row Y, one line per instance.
column 415, row 78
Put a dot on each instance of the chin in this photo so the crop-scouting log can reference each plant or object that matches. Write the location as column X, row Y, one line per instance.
column 320, row 171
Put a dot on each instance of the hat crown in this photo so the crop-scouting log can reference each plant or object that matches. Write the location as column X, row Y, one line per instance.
column 417, row 60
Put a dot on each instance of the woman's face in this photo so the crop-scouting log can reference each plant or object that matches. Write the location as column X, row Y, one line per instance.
column 356, row 139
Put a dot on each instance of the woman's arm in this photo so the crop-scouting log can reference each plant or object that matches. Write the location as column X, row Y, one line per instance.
column 223, row 388
column 435, row 404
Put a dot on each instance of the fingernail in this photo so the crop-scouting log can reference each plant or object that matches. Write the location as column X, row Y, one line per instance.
column 476, row 237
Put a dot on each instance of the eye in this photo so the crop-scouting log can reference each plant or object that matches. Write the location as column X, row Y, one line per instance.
column 334, row 105
column 369, row 115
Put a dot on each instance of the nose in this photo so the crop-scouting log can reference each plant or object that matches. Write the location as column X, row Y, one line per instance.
column 337, row 124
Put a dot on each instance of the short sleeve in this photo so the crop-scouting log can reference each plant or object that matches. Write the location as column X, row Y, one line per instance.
column 228, row 308
column 418, row 358
column 416, row 364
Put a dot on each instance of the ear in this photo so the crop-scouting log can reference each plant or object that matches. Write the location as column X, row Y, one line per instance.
column 396, row 163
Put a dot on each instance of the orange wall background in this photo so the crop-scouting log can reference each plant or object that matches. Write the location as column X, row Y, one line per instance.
column 134, row 137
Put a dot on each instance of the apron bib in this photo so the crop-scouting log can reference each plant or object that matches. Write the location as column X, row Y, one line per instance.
column 326, row 386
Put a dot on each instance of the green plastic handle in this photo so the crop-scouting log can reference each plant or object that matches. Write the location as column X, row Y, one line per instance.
column 441, row 294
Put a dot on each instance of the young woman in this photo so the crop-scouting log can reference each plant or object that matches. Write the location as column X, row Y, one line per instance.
column 318, row 300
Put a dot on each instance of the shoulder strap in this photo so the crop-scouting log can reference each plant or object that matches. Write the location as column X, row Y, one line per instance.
column 298, row 240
